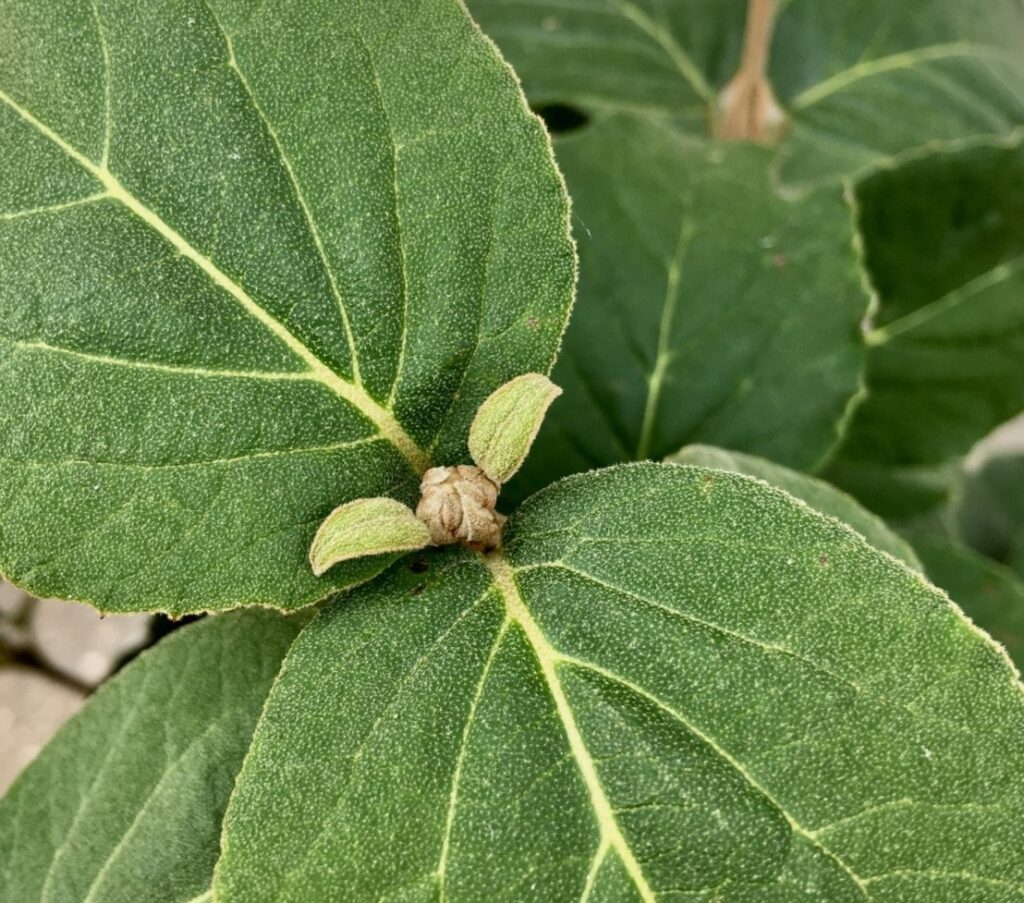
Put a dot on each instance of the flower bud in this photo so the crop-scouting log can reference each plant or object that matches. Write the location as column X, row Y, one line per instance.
column 457, row 505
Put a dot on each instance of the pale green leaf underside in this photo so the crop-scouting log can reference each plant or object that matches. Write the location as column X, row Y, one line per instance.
column 710, row 309
column 125, row 804
column 366, row 527
column 507, row 423
column 679, row 684
column 259, row 259
column 817, row 493
column 860, row 82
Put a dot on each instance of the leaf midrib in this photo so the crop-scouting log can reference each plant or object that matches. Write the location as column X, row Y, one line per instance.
column 611, row 835
column 453, row 795
column 161, row 784
column 663, row 354
column 921, row 316
column 905, row 59
column 547, row 656
column 678, row 56
column 381, row 417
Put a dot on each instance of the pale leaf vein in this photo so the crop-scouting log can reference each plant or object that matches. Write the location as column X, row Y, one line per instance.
column 355, row 395
column 460, row 760
column 300, row 197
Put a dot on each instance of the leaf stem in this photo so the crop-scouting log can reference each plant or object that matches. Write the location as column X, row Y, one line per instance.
column 757, row 37
column 748, row 109
column 29, row 660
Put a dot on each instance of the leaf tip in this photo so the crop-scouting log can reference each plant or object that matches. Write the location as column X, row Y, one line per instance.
column 507, row 423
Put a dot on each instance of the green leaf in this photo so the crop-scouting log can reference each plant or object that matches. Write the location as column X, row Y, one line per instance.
column 817, row 493
column 507, row 423
column 125, row 804
column 700, row 318
column 989, row 511
column 258, row 260
column 991, row 594
column 674, row 683
column 366, row 527
column 860, row 81
column 901, row 495
column 945, row 250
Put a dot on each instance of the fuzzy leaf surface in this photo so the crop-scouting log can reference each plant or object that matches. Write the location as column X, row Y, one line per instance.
column 710, row 309
column 258, row 259
column 816, row 493
column 125, row 803
column 365, row 527
column 675, row 683
column 507, row 423
column 990, row 593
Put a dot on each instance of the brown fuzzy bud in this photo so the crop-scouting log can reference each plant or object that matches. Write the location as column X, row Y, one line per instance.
column 457, row 505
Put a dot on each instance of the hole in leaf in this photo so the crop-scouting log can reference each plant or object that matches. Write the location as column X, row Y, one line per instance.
column 418, row 565
column 561, row 118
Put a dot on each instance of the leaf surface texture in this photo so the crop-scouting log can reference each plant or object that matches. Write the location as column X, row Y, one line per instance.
column 259, row 259
column 816, row 493
column 125, row 804
column 676, row 683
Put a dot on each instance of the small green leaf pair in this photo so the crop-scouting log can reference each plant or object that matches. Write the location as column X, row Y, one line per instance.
column 457, row 504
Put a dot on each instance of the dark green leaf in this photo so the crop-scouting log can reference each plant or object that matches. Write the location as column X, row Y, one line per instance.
column 901, row 495
column 258, row 260
column 675, row 684
column 944, row 244
column 860, row 81
column 125, row 804
column 989, row 511
column 711, row 310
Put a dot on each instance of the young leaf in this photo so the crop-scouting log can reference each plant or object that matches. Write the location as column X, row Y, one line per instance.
column 366, row 527
column 992, row 595
column 859, row 82
column 507, row 423
column 258, row 260
column 817, row 493
column 709, row 309
column 945, row 249
column 672, row 681
column 126, row 802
